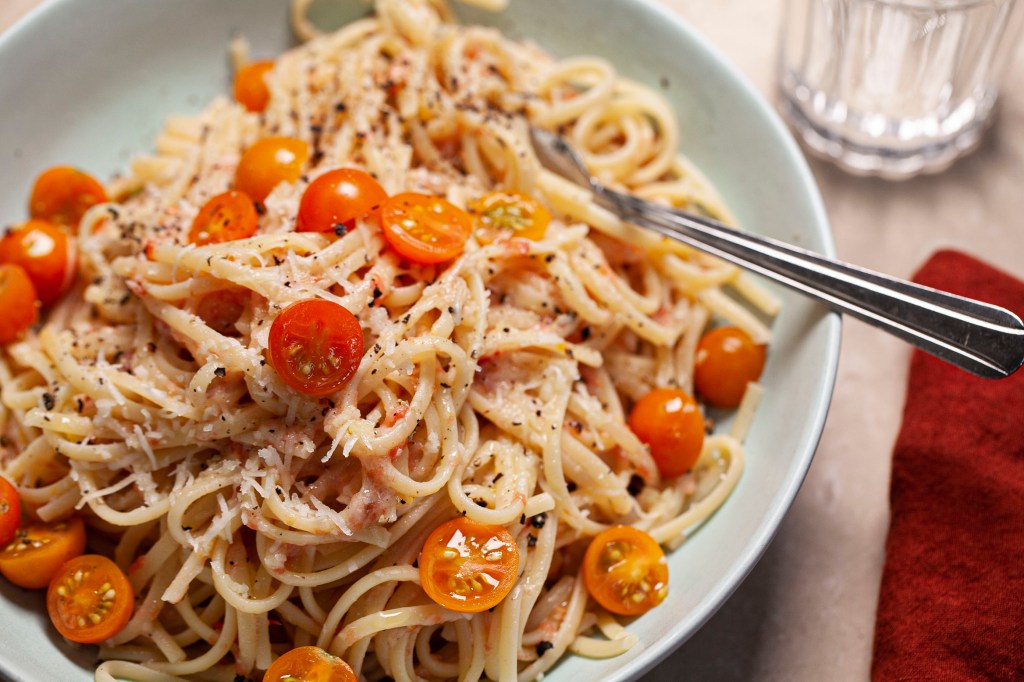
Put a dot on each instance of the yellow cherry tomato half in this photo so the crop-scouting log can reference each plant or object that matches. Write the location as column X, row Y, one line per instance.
column 425, row 229
column 467, row 566
column 251, row 85
column 625, row 571
column 63, row 194
column 670, row 422
column 268, row 163
column 90, row 599
column 224, row 218
column 38, row 551
column 727, row 360
column 18, row 301
column 47, row 254
column 309, row 664
column 509, row 214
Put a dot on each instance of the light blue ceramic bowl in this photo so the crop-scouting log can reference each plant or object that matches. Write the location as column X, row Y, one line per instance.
column 90, row 82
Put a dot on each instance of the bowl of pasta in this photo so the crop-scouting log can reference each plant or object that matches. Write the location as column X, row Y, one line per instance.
column 309, row 367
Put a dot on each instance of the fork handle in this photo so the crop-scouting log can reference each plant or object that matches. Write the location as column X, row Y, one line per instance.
column 983, row 339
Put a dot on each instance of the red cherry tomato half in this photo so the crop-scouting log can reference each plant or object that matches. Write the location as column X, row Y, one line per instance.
column 670, row 422
column 63, row 194
column 467, row 566
column 251, row 86
column 268, row 163
column 18, row 301
column 625, row 571
column 727, row 360
column 224, row 218
column 221, row 310
column 47, row 254
column 425, row 229
column 316, row 346
column 90, row 599
column 309, row 664
column 336, row 199
column 10, row 511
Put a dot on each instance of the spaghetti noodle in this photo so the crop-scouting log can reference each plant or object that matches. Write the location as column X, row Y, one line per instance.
column 496, row 387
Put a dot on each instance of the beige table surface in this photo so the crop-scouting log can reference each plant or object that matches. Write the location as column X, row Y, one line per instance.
column 807, row 610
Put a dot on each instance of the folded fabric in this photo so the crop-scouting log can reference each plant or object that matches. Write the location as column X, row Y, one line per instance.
column 951, row 604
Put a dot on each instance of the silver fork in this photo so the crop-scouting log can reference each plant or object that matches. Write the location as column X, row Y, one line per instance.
column 983, row 339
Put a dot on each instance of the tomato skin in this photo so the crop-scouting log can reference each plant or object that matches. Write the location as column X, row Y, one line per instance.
column 48, row 255
column 221, row 310
column 338, row 198
column 10, row 511
column 316, row 346
column 224, row 218
column 669, row 421
column 63, row 194
column 509, row 214
column 269, row 162
column 38, row 551
column 467, row 566
column 727, row 360
column 425, row 229
column 89, row 599
column 18, row 301
column 309, row 664
column 251, row 89
column 625, row 571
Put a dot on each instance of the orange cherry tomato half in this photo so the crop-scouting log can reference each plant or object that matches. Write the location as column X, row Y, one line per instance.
column 425, row 229
column 336, row 199
column 90, row 599
column 10, row 511
column 316, row 346
column 727, row 360
column 251, row 85
column 63, row 194
column 309, row 664
column 467, row 566
column 670, row 422
column 224, row 218
column 38, row 551
column 17, row 301
column 48, row 255
column 509, row 214
column 625, row 571
column 268, row 163
column 221, row 310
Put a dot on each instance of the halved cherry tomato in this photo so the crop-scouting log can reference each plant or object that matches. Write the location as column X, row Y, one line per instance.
column 38, row 551
column 425, row 229
column 625, row 571
column 221, row 310
column 251, row 85
column 224, row 218
column 316, row 346
column 336, row 199
column 269, row 162
column 309, row 664
column 10, row 511
column 17, row 301
column 727, row 360
column 669, row 421
column 509, row 214
column 48, row 255
column 63, row 194
column 467, row 566
column 90, row 599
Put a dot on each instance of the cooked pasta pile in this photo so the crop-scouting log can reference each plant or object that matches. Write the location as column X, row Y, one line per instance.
column 256, row 519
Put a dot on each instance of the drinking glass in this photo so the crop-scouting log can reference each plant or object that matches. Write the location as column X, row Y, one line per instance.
column 894, row 87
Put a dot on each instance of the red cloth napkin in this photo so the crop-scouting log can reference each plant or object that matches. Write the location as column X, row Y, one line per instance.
column 951, row 604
